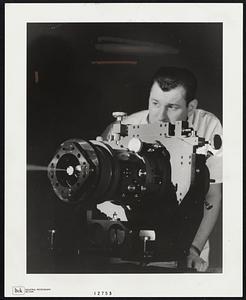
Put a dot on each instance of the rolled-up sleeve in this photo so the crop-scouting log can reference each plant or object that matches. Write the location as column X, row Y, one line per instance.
column 215, row 161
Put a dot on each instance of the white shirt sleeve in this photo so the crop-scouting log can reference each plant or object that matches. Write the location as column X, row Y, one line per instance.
column 207, row 126
column 214, row 162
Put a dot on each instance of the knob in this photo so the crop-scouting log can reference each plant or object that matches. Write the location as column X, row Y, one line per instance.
column 131, row 188
column 143, row 188
column 141, row 173
column 119, row 115
column 135, row 145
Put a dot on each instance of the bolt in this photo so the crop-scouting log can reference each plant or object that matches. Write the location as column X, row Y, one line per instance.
column 141, row 173
column 115, row 216
column 143, row 188
column 131, row 188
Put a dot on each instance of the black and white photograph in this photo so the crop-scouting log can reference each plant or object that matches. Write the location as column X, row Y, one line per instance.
column 104, row 193
column 124, row 152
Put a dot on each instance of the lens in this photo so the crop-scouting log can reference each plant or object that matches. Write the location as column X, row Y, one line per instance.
column 70, row 175
column 92, row 172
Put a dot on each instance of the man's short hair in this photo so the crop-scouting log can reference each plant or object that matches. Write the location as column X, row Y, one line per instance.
column 169, row 78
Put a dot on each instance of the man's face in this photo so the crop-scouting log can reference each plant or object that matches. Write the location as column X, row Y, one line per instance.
column 167, row 106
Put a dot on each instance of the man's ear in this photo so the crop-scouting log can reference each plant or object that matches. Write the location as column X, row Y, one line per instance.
column 192, row 105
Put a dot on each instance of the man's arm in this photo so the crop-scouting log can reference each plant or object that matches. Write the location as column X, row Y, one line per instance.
column 207, row 224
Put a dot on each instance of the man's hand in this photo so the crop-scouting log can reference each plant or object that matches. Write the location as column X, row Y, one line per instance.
column 195, row 261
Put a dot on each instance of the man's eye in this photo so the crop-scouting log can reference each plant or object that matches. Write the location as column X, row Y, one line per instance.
column 173, row 107
column 154, row 103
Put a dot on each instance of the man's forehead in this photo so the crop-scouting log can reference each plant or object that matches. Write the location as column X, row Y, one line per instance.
column 174, row 95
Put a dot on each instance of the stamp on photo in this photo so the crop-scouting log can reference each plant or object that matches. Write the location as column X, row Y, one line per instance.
column 18, row 290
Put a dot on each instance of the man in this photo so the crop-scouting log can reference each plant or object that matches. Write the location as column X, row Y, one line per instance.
column 172, row 98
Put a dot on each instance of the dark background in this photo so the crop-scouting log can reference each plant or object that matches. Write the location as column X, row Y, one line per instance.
column 74, row 97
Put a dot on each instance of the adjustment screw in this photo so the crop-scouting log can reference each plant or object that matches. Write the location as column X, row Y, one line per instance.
column 119, row 115
column 141, row 173
column 131, row 188
column 143, row 188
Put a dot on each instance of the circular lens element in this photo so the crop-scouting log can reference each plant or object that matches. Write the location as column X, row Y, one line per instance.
column 69, row 176
column 70, row 170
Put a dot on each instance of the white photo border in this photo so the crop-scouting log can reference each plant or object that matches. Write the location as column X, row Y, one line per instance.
column 226, row 284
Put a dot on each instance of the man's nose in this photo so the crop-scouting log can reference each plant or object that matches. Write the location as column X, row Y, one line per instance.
column 163, row 114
